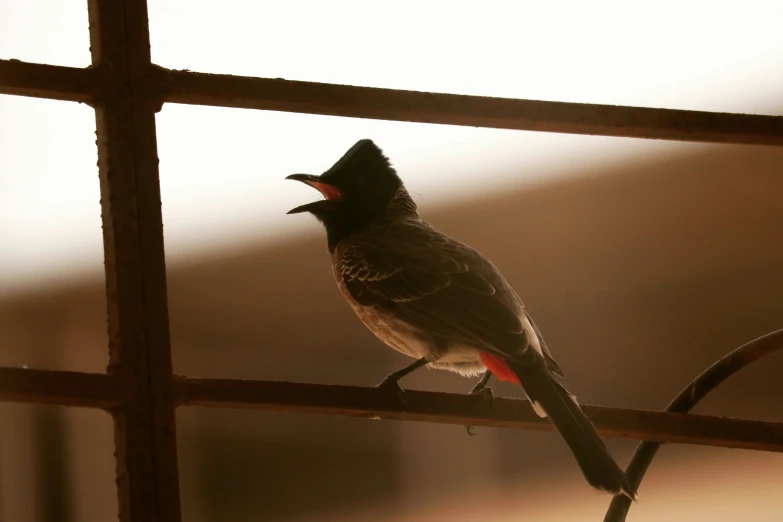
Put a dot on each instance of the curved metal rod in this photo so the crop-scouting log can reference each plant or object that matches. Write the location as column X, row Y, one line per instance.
column 710, row 379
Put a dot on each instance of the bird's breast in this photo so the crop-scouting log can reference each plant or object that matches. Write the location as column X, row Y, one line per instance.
column 414, row 342
column 392, row 331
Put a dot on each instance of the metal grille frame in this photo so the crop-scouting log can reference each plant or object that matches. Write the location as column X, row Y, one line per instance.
column 140, row 390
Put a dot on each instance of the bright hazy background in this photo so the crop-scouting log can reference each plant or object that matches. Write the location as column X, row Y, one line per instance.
column 222, row 169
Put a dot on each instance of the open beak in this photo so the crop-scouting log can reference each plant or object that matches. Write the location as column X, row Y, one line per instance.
column 330, row 192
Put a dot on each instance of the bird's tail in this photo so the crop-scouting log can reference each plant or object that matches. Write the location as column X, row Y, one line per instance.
column 551, row 399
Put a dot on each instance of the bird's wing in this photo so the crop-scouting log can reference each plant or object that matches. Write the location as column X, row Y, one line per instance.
column 437, row 284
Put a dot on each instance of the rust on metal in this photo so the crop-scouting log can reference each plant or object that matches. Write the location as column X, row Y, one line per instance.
column 447, row 408
column 140, row 354
column 59, row 388
column 49, row 81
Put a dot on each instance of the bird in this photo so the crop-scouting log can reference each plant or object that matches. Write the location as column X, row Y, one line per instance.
column 441, row 302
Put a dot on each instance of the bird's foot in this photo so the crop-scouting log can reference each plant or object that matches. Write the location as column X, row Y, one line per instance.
column 393, row 385
column 486, row 396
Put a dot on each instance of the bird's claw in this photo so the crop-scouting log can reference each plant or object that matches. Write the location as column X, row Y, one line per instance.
column 394, row 386
column 487, row 396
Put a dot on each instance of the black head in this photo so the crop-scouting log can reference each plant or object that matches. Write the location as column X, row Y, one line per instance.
column 358, row 190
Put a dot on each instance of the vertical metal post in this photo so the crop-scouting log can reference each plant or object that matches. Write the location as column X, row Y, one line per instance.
column 139, row 346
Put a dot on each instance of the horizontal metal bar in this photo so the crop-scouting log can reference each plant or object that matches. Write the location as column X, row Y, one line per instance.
column 59, row 388
column 376, row 403
column 160, row 84
column 477, row 111
column 50, row 81
column 103, row 391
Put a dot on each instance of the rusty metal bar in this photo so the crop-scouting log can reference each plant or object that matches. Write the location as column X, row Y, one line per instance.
column 58, row 388
column 447, row 408
column 50, row 81
column 139, row 349
column 476, row 111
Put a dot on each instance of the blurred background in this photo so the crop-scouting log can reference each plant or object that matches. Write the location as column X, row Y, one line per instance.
column 642, row 261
